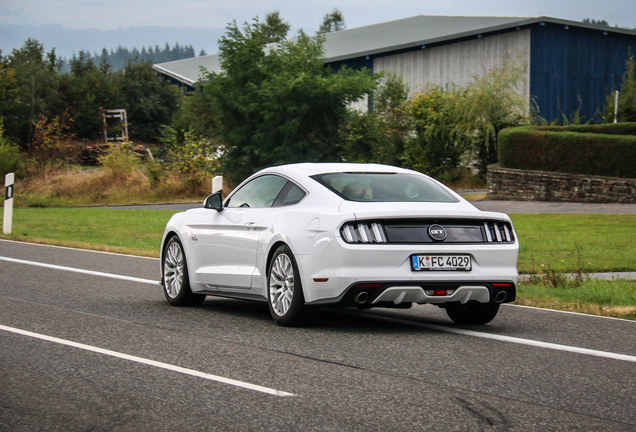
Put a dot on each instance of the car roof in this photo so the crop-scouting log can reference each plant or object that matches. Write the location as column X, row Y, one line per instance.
column 309, row 169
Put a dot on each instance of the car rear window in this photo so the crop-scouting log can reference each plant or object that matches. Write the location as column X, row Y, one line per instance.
column 384, row 187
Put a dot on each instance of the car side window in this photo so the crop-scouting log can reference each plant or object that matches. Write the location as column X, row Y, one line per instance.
column 291, row 194
column 258, row 193
column 294, row 195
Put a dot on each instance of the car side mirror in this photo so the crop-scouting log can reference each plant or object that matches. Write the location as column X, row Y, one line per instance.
column 214, row 201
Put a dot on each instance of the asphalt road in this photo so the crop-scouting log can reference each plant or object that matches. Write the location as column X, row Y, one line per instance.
column 87, row 342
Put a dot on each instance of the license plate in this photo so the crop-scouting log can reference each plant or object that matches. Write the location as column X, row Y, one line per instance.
column 441, row 263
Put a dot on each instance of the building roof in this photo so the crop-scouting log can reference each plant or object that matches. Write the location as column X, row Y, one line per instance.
column 390, row 36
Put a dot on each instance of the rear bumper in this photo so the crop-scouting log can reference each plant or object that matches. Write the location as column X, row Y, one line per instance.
column 370, row 294
column 342, row 270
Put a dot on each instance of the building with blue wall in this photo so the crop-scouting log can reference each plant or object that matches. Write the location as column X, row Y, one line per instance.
column 570, row 66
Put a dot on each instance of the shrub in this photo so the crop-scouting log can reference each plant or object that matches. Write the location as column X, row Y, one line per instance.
column 436, row 145
column 51, row 140
column 570, row 150
column 379, row 135
column 194, row 161
column 120, row 159
column 458, row 127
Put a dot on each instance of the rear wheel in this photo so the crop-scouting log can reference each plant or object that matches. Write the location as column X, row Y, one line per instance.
column 285, row 291
column 472, row 313
column 176, row 284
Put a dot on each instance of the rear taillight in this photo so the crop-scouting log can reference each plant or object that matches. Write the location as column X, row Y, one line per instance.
column 363, row 232
column 498, row 232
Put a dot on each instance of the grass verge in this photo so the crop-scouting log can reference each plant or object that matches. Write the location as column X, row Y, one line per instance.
column 550, row 244
column 571, row 243
column 135, row 232
column 613, row 298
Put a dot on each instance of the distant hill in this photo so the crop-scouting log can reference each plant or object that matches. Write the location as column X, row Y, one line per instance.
column 71, row 41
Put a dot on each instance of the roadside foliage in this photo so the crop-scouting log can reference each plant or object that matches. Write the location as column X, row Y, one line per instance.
column 274, row 102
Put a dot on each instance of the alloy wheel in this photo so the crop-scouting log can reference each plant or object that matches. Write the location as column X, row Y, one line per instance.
column 173, row 270
column 281, row 284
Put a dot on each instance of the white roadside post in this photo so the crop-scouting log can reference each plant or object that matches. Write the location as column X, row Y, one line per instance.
column 616, row 108
column 217, row 184
column 8, row 203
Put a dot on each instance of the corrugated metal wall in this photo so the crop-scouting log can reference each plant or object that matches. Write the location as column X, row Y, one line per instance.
column 457, row 62
column 568, row 64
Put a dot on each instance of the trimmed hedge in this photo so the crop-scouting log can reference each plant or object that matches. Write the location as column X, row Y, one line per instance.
column 601, row 150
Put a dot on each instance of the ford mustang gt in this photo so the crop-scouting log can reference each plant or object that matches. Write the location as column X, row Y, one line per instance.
column 304, row 236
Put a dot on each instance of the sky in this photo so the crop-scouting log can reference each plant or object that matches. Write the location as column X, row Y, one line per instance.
column 115, row 20
column 106, row 15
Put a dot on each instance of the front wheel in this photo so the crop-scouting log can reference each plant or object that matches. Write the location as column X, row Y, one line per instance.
column 472, row 313
column 176, row 284
column 285, row 291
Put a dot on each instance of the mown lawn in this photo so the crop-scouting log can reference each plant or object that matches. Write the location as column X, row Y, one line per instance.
column 136, row 232
column 573, row 242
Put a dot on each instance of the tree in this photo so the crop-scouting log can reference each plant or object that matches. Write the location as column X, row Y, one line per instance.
column 279, row 106
column 626, row 96
column 274, row 29
column 390, row 103
column 196, row 113
column 459, row 126
column 37, row 78
column 379, row 135
column 9, row 91
column 149, row 102
column 332, row 22
column 492, row 103
column 83, row 90
column 597, row 22
column 435, row 148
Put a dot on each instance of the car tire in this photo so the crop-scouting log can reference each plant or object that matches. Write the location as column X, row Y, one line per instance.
column 285, row 292
column 472, row 313
column 175, row 281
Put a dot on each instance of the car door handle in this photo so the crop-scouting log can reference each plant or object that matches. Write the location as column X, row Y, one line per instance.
column 251, row 226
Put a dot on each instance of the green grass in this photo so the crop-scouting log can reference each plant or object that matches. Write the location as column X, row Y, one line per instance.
column 548, row 243
column 126, row 231
column 616, row 298
column 573, row 242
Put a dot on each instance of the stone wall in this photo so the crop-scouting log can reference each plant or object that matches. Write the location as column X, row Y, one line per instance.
column 522, row 185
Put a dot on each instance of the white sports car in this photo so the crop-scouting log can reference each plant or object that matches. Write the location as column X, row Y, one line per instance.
column 304, row 236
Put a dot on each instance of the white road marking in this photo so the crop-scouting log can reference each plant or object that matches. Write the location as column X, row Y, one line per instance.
column 76, row 270
column 510, row 339
column 148, row 362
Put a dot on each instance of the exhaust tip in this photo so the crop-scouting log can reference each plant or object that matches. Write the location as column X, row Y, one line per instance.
column 501, row 296
column 361, row 297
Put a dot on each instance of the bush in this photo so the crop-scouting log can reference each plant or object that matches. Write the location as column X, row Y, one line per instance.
column 194, row 161
column 9, row 155
column 458, row 127
column 603, row 128
column 437, row 145
column 51, row 140
column 570, row 150
column 379, row 135
column 120, row 159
